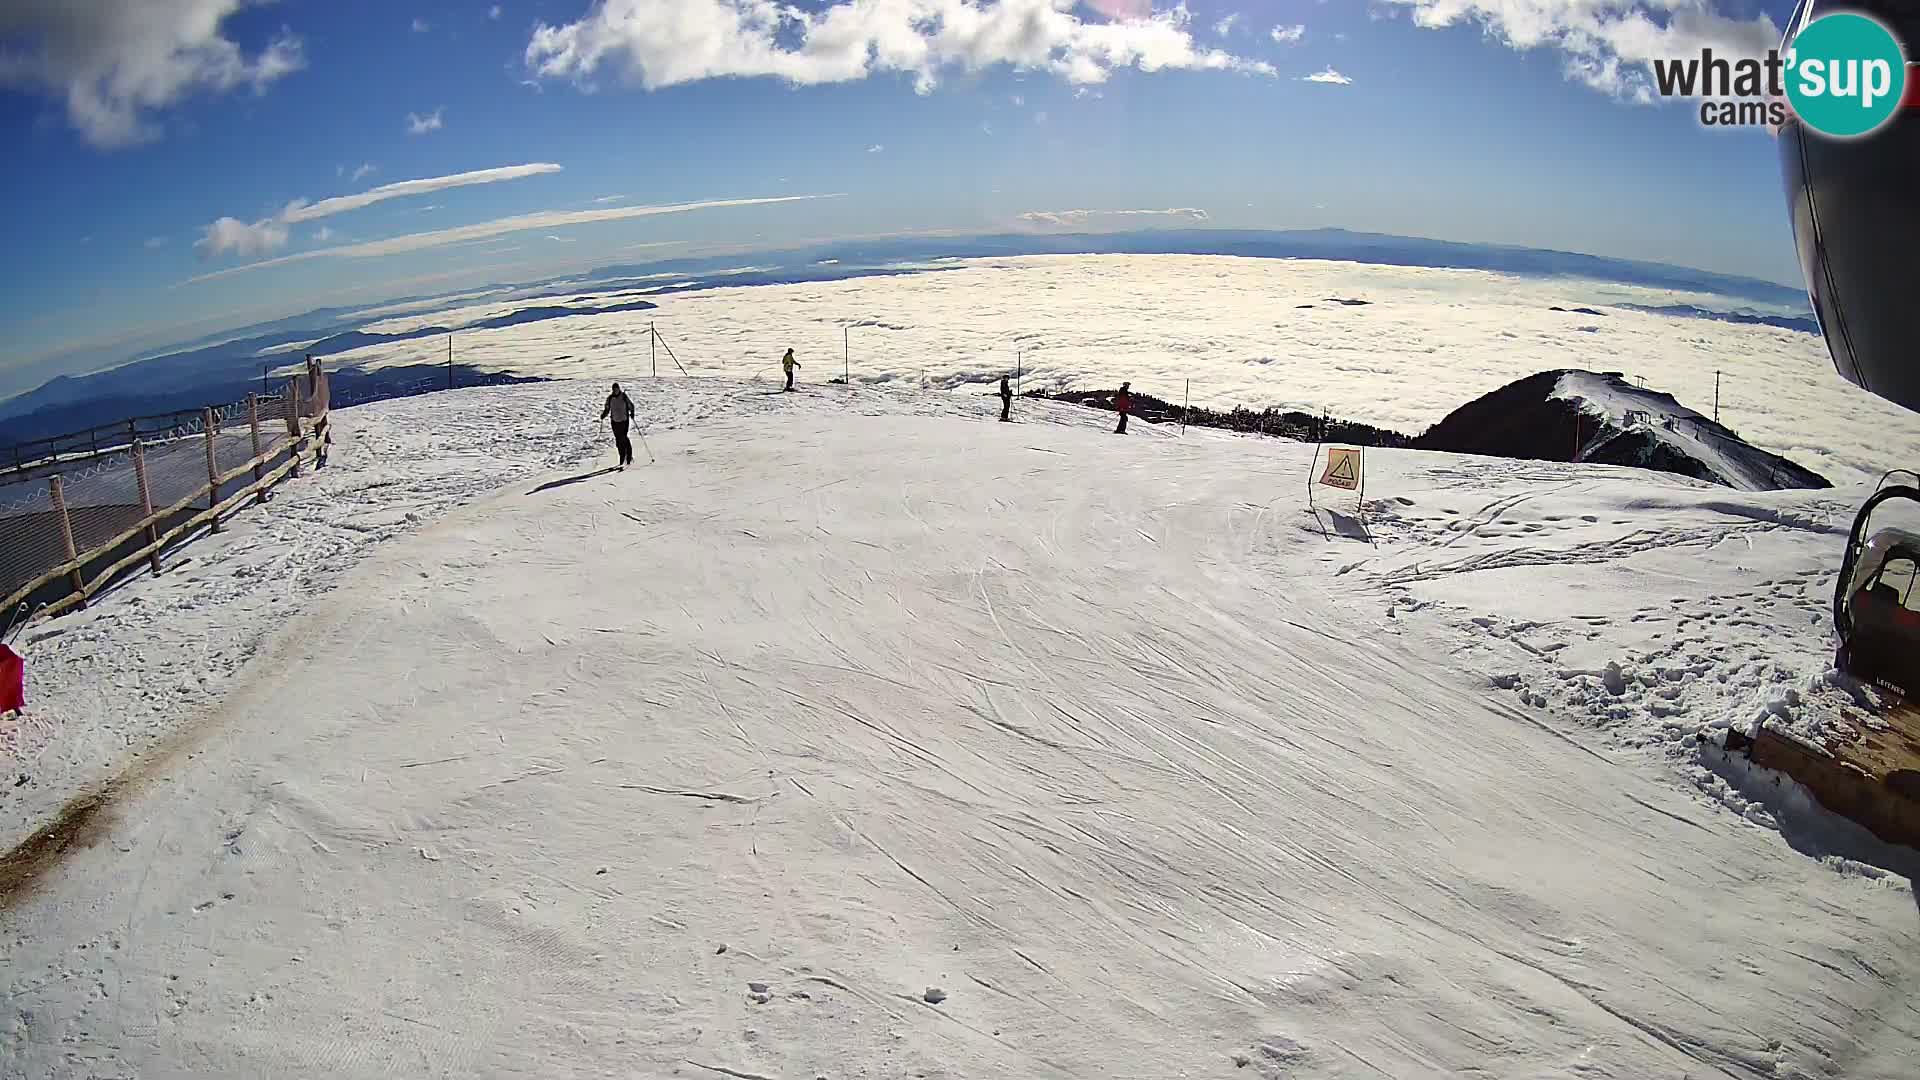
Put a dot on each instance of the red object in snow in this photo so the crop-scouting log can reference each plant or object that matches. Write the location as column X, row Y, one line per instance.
column 13, row 678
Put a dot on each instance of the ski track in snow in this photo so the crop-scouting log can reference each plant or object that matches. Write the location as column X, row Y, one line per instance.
column 727, row 765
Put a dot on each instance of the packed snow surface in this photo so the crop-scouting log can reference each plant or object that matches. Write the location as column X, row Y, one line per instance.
column 863, row 735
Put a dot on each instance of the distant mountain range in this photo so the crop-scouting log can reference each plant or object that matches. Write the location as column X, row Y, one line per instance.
column 218, row 367
column 1805, row 324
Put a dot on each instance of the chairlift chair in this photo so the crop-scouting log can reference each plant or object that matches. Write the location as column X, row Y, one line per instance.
column 1876, row 602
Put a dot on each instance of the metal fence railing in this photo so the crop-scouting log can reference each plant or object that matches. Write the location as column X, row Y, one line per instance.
column 75, row 518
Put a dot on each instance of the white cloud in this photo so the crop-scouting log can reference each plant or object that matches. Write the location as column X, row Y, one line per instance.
column 236, row 236
column 301, row 210
column 1287, row 35
column 361, row 173
column 610, row 198
column 420, row 125
column 419, row 25
column 494, row 12
column 540, row 220
column 232, row 236
column 1607, row 44
column 1225, row 26
column 112, row 62
column 875, row 148
column 155, row 241
column 659, row 45
column 1077, row 218
column 1328, row 76
column 323, row 234
column 1019, row 102
column 562, row 239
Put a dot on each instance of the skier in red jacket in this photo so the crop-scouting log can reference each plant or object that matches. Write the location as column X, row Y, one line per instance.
column 1121, row 404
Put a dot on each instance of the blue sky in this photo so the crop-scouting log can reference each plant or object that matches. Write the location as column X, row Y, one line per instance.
column 156, row 142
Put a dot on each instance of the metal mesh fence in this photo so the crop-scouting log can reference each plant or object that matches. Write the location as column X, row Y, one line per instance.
column 54, row 512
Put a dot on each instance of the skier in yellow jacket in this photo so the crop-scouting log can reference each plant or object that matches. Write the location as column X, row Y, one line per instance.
column 787, row 364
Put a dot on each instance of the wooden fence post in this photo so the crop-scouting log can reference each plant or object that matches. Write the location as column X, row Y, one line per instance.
column 253, row 425
column 213, row 469
column 66, row 533
column 146, row 503
column 293, row 423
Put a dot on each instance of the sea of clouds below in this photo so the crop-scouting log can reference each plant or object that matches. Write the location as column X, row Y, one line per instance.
column 1427, row 341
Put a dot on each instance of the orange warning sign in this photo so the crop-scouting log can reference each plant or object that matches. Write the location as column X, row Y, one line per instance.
column 1343, row 469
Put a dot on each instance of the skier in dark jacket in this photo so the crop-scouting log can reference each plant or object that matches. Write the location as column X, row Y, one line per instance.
column 1006, row 401
column 619, row 409
column 1122, row 403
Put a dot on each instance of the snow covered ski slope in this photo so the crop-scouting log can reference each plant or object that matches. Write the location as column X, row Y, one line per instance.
column 719, row 766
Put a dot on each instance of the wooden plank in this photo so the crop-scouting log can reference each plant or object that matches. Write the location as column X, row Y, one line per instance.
column 213, row 464
column 54, row 488
column 146, row 497
column 31, row 587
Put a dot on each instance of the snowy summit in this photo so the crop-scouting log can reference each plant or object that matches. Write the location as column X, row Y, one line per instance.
column 1603, row 419
column 865, row 735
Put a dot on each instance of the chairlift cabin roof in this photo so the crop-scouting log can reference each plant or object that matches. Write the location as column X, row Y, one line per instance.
column 1883, row 546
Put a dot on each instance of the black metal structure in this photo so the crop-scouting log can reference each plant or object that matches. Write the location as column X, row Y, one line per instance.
column 1855, row 208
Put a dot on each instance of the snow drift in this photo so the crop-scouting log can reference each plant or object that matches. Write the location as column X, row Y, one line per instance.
column 1572, row 415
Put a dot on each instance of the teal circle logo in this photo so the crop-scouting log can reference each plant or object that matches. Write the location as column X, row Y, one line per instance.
column 1846, row 73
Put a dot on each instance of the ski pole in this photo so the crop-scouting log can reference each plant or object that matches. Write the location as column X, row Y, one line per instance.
column 643, row 444
column 18, row 619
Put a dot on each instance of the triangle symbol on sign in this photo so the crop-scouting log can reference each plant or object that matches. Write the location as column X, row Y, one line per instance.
column 1342, row 469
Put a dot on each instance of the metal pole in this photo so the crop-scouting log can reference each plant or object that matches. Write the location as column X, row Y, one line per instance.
column 1184, row 402
column 66, row 533
column 1716, row 397
column 449, row 361
column 213, row 471
column 653, row 349
column 146, row 503
column 846, row 357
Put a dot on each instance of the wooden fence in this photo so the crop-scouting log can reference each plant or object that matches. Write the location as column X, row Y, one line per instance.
column 200, row 470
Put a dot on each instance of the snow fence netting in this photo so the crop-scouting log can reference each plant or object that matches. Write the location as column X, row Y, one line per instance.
column 99, row 500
